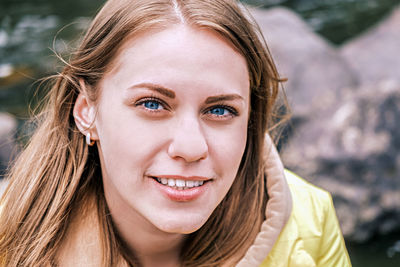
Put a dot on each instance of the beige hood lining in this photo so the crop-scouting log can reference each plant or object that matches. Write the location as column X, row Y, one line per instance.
column 279, row 208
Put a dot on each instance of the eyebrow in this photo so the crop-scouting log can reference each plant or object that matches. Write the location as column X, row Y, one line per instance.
column 218, row 98
column 155, row 87
column 171, row 94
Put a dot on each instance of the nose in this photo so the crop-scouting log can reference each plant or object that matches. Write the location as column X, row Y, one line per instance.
column 188, row 141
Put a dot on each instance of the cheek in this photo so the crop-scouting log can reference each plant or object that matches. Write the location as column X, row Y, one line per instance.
column 228, row 147
column 126, row 144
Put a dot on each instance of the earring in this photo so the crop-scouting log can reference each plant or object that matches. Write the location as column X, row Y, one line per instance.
column 89, row 141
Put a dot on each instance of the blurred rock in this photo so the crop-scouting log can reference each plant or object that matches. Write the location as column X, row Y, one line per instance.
column 314, row 67
column 8, row 128
column 355, row 154
column 375, row 54
column 345, row 136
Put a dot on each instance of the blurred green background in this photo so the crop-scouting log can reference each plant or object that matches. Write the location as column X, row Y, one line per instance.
column 30, row 31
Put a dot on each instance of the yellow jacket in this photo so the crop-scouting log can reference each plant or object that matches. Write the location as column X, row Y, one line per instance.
column 311, row 236
column 301, row 228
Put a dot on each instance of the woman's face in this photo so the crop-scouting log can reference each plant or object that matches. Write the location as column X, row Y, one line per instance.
column 172, row 128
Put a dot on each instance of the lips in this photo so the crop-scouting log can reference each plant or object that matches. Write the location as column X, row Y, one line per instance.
column 181, row 189
column 179, row 184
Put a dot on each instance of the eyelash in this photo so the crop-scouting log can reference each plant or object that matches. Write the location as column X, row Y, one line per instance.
column 232, row 111
column 142, row 101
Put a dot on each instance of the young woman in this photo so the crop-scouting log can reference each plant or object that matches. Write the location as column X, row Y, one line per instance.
column 153, row 150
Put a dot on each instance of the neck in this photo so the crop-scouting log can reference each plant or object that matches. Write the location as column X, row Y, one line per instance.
column 146, row 243
column 152, row 249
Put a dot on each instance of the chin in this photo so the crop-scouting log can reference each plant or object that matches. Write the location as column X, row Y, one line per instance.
column 186, row 225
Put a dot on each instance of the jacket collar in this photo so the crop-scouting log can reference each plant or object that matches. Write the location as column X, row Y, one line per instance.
column 278, row 210
column 81, row 247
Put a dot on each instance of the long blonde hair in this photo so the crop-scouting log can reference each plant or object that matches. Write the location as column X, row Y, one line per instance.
column 57, row 171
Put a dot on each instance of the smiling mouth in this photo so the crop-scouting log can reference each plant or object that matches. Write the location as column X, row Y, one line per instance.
column 180, row 184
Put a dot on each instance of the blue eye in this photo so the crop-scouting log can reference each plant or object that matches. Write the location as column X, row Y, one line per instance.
column 219, row 111
column 150, row 104
column 222, row 112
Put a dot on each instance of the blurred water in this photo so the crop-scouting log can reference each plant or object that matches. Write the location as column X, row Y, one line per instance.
column 27, row 37
column 337, row 20
column 30, row 29
column 382, row 251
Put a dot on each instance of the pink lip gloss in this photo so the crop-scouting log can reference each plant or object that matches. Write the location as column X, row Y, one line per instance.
column 183, row 195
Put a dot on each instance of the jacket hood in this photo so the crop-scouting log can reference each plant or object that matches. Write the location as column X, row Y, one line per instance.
column 278, row 210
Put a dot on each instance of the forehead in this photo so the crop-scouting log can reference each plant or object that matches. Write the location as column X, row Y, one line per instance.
column 173, row 55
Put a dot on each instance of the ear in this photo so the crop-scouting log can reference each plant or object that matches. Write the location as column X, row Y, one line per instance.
column 84, row 113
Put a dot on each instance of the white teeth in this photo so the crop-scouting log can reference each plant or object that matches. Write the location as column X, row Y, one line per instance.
column 179, row 183
column 171, row 182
